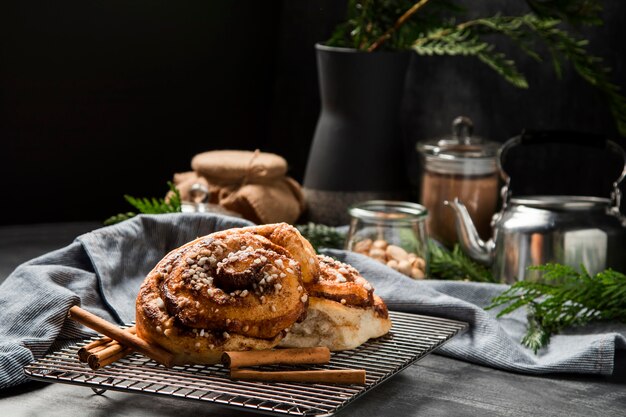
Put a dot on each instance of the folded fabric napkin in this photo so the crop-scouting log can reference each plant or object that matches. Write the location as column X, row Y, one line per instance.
column 103, row 270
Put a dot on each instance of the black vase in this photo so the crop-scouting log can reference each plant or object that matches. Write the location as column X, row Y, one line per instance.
column 356, row 154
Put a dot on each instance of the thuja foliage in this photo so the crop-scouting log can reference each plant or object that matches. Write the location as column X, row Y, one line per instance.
column 439, row 27
column 152, row 205
column 562, row 298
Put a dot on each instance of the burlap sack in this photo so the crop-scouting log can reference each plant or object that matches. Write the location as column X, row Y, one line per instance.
column 253, row 184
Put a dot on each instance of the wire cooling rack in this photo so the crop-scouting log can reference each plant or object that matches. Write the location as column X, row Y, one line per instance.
column 411, row 338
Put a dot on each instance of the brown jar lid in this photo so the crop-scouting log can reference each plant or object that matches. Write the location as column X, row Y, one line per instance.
column 460, row 153
column 229, row 165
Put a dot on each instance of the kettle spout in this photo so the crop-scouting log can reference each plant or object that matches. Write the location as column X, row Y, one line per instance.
column 469, row 240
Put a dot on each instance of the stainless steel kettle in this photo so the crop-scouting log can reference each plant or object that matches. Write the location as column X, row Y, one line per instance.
column 535, row 230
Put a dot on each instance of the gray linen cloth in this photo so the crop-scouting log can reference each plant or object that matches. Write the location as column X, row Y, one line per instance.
column 102, row 271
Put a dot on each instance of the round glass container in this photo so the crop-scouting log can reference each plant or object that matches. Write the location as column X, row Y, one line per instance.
column 461, row 166
column 391, row 232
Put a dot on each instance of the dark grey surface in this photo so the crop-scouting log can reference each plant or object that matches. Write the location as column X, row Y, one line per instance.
column 20, row 243
column 436, row 386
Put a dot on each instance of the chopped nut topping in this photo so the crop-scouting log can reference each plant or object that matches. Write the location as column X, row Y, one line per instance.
column 226, row 335
column 343, row 301
column 304, row 298
column 273, row 308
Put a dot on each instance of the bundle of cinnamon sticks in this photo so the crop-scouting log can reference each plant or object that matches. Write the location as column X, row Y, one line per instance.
column 118, row 343
column 104, row 351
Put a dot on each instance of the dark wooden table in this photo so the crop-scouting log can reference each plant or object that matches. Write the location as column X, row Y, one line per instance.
column 435, row 386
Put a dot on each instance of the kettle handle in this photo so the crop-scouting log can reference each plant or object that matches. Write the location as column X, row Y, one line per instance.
column 565, row 137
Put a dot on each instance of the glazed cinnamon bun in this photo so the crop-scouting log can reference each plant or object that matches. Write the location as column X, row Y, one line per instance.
column 343, row 310
column 238, row 289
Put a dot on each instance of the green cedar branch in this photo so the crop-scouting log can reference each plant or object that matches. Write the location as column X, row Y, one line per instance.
column 171, row 204
column 562, row 298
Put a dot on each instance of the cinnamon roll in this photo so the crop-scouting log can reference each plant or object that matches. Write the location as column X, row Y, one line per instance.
column 343, row 310
column 238, row 289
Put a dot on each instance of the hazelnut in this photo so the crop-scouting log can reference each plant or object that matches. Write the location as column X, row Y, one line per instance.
column 363, row 246
column 380, row 244
column 396, row 252
column 404, row 266
column 377, row 253
column 419, row 263
column 417, row 273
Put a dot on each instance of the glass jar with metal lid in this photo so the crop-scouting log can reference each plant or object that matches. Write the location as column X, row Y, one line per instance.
column 461, row 166
column 391, row 232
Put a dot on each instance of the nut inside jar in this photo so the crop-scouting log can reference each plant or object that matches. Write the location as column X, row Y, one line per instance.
column 393, row 256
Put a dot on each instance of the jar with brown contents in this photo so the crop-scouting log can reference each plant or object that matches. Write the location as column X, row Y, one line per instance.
column 462, row 167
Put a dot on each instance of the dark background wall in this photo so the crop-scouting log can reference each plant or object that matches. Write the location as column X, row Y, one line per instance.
column 104, row 98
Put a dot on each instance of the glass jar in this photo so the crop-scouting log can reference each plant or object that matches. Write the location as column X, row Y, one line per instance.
column 464, row 167
column 391, row 232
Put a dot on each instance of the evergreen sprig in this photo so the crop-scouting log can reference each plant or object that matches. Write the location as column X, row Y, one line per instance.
column 576, row 12
column 322, row 236
column 428, row 27
column 564, row 297
column 153, row 205
column 462, row 40
column 455, row 265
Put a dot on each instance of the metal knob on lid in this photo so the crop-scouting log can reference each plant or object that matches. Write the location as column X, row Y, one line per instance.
column 462, row 129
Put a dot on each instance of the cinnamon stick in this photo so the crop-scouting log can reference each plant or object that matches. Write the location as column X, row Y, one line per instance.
column 327, row 376
column 126, row 338
column 112, row 350
column 294, row 356
column 85, row 351
column 99, row 360
column 99, row 345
